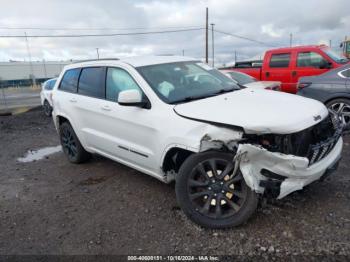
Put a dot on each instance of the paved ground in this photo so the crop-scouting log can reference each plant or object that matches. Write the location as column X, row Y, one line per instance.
column 53, row 207
column 14, row 98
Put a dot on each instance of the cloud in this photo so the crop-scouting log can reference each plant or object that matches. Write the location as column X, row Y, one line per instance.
column 271, row 31
column 270, row 21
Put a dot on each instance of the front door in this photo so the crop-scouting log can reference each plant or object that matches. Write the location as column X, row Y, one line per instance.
column 128, row 133
column 309, row 64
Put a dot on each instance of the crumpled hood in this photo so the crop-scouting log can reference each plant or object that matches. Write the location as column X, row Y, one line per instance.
column 257, row 111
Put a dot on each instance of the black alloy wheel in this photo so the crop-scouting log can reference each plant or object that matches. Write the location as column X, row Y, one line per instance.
column 212, row 192
column 71, row 145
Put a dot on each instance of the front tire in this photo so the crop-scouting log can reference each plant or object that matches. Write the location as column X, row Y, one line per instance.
column 71, row 145
column 210, row 194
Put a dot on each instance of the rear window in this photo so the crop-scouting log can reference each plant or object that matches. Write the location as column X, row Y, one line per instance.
column 70, row 80
column 91, row 82
column 280, row 60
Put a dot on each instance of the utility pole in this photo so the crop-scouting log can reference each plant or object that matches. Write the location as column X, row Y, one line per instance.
column 212, row 42
column 183, row 52
column 330, row 43
column 235, row 56
column 44, row 68
column 206, row 36
column 32, row 76
column 290, row 39
column 98, row 54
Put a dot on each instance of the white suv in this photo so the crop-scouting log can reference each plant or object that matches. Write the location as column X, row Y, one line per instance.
column 175, row 118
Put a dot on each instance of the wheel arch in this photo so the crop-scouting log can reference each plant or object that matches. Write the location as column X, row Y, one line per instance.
column 60, row 119
column 337, row 96
column 174, row 157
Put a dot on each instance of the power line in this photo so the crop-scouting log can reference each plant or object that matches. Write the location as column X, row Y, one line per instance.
column 101, row 35
column 183, row 29
column 92, row 28
column 245, row 38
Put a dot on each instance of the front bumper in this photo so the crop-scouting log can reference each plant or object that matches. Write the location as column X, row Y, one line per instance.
column 290, row 172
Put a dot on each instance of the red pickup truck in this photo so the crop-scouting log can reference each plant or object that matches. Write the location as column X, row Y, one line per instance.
column 288, row 64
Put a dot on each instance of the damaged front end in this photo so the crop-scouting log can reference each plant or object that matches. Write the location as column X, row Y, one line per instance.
column 277, row 165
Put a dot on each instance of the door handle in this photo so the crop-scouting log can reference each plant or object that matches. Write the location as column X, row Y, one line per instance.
column 267, row 74
column 294, row 73
column 73, row 100
column 106, row 108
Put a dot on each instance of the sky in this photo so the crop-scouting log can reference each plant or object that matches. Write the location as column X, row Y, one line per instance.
column 268, row 21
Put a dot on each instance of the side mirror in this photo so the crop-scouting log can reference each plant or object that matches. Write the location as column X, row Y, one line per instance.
column 131, row 98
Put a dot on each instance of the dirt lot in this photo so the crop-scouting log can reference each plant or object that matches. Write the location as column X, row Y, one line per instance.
column 53, row 207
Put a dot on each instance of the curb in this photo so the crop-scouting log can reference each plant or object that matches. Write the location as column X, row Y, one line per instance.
column 17, row 110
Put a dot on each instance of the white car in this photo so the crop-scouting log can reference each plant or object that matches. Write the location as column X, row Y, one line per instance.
column 223, row 146
column 250, row 82
column 45, row 95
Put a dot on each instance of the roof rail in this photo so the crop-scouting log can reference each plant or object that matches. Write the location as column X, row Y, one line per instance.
column 91, row 60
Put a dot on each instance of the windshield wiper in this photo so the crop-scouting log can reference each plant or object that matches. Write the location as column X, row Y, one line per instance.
column 192, row 98
column 222, row 91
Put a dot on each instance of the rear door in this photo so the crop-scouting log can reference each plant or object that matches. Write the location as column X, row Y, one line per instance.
column 91, row 92
column 68, row 98
column 277, row 68
column 308, row 63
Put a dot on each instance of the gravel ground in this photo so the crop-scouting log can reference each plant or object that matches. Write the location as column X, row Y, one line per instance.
column 53, row 207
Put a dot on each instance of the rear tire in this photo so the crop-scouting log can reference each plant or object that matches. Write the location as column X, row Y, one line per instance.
column 47, row 108
column 71, row 145
column 210, row 194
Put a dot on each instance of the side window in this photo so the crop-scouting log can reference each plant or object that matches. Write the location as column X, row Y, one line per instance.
column 47, row 85
column 70, row 80
column 52, row 84
column 280, row 60
column 91, row 82
column 118, row 80
column 310, row 59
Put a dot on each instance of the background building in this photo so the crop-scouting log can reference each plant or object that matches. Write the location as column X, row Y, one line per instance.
column 17, row 73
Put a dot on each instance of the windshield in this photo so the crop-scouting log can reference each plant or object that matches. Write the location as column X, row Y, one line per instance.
column 241, row 79
column 186, row 81
column 335, row 56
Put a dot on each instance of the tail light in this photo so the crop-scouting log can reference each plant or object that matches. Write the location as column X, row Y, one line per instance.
column 303, row 85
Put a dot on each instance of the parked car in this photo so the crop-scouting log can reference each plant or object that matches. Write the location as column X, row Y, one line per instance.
column 45, row 95
column 331, row 88
column 175, row 118
column 289, row 64
column 245, row 80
